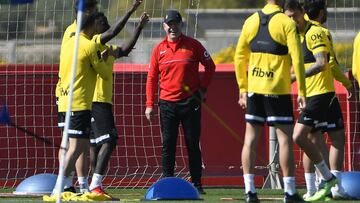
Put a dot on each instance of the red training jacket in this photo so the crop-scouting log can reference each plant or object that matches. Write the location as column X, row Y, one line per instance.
column 177, row 63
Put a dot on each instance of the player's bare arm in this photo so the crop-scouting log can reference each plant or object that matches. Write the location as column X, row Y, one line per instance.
column 350, row 90
column 114, row 30
column 319, row 65
column 301, row 103
column 106, row 53
column 126, row 48
column 202, row 92
column 242, row 100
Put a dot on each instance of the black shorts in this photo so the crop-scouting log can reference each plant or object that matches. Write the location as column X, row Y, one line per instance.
column 316, row 112
column 273, row 109
column 335, row 120
column 80, row 123
column 102, row 124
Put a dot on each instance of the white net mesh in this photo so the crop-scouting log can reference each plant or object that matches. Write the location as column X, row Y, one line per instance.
column 31, row 34
column 30, row 37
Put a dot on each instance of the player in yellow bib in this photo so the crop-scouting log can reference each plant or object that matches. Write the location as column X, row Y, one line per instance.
column 104, row 137
column 319, row 90
column 90, row 8
column 89, row 64
column 335, row 121
column 268, row 45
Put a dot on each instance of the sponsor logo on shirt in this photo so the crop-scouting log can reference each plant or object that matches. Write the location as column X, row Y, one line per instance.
column 258, row 72
column 316, row 37
column 64, row 92
column 162, row 52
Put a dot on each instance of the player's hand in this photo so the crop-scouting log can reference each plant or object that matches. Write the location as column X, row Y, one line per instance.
column 243, row 100
column 202, row 92
column 111, row 52
column 149, row 112
column 144, row 19
column 136, row 5
column 105, row 54
column 301, row 103
column 350, row 91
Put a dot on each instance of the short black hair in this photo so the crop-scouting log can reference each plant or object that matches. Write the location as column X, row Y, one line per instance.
column 313, row 8
column 99, row 14
column 88, row 20
column 293, row 5
column 87, row 4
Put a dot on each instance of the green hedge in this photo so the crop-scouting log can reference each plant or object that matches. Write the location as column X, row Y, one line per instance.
column 343, row 53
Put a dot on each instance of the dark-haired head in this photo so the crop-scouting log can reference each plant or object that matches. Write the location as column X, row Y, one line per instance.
column 281, row 3
column 88, row 20
column 294, row 10
column 88, row 5
column 90, row 8
column 293, row 5
column 101, row 22
column 315, row 8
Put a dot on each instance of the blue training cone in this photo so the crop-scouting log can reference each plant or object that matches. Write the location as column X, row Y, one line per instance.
column 21, row 1
column 16, row 1
column 172, row 188
column 4, row 115
column 39, row 184
column 351, row 183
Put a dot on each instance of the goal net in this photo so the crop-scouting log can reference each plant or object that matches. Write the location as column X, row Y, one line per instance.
column 30, row 37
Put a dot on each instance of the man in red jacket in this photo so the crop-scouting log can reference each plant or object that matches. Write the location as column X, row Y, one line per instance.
column 176, row 59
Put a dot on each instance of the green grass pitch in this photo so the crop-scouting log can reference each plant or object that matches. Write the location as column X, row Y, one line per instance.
column 213, row 195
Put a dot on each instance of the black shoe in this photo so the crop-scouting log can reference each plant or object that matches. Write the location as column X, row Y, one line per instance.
column 295, row 198
column 251, row 197
column 200, row 189
column 70, row 189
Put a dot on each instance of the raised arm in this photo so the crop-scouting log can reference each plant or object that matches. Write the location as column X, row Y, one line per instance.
column 114, row 30
column 126, row 48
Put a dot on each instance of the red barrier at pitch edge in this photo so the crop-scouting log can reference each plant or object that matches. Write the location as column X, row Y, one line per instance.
column 28, row 90
column 118, row 67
